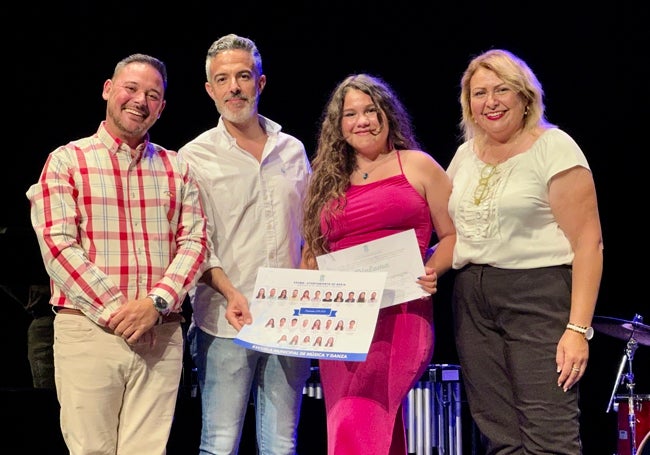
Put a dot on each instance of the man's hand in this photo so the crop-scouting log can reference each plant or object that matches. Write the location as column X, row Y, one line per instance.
column 134, row 320
column 237, row 310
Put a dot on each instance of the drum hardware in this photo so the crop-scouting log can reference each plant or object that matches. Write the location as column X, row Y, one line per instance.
column 432, row 412
column 644, row 447
column 635, row 333
column 622, row 329
column 642, row 420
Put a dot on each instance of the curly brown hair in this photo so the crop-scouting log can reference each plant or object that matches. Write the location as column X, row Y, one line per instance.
column 334, row 160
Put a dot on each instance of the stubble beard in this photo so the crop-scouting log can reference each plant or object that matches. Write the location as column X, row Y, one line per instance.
column 139, row 131
column 239, row 116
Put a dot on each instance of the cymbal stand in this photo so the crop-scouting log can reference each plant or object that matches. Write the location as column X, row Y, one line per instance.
column 628, row 357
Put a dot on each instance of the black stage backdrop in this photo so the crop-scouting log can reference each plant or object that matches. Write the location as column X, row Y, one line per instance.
column 588, row 59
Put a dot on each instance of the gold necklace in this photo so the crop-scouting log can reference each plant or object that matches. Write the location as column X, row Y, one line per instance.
column 482, row 189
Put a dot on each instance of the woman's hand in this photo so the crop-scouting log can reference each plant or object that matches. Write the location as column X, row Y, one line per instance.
column 429, row 281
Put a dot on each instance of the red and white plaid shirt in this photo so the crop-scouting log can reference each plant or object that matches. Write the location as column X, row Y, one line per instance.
column 112, row 228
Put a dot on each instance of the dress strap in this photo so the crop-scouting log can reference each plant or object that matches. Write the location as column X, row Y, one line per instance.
column 399, row 160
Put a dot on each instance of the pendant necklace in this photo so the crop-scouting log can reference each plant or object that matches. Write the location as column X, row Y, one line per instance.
column 365, row 174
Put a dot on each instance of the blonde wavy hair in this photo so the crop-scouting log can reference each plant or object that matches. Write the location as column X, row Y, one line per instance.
column 334, row 160
column 516, row 73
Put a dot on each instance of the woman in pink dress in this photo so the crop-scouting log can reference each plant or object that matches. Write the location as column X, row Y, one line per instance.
column 370, row 180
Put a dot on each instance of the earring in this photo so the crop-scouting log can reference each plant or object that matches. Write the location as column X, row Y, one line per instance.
column 526, row 112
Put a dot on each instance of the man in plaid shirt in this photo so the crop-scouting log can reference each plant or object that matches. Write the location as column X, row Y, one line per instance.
column 122, row 234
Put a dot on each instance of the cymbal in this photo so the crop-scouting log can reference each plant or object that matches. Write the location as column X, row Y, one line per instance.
column 622, row 329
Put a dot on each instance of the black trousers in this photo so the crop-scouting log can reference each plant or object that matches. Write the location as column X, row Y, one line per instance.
column 507, row 326
column 40, row 341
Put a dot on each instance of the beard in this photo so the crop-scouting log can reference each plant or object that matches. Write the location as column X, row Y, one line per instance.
column 130, row 129
column 241, row 115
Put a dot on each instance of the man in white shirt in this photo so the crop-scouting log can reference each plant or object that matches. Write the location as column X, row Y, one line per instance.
column 258, row 225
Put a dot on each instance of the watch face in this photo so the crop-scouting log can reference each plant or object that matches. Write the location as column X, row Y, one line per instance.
column 589, row 333
column 160, row 303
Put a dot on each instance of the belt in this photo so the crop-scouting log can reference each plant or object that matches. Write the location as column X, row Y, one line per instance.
column 171, row 317
column 63, row 310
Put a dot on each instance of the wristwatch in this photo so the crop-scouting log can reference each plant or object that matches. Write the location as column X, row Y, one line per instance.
column 160, row 304
column 587, row 332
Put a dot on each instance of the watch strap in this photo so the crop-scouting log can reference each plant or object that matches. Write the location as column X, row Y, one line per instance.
column 586, row 332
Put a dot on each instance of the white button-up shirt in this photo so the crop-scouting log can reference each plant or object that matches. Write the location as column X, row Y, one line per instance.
column 254, row 212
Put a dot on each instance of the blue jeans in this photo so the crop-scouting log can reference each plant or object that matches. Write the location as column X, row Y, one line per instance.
column 227, row 374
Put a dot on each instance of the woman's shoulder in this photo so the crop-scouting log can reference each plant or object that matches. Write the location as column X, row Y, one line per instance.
column 555, row 151
column 555, row 141
column 422, row 171
column 418, row 158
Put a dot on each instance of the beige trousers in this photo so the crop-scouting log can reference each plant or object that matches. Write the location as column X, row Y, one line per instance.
column 115, row 399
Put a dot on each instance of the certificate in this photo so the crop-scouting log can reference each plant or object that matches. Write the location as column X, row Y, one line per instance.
column 398, row 255
column 313, row 313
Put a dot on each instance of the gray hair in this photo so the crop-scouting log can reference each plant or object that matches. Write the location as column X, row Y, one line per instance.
column 143, row 58
column 230, row 42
